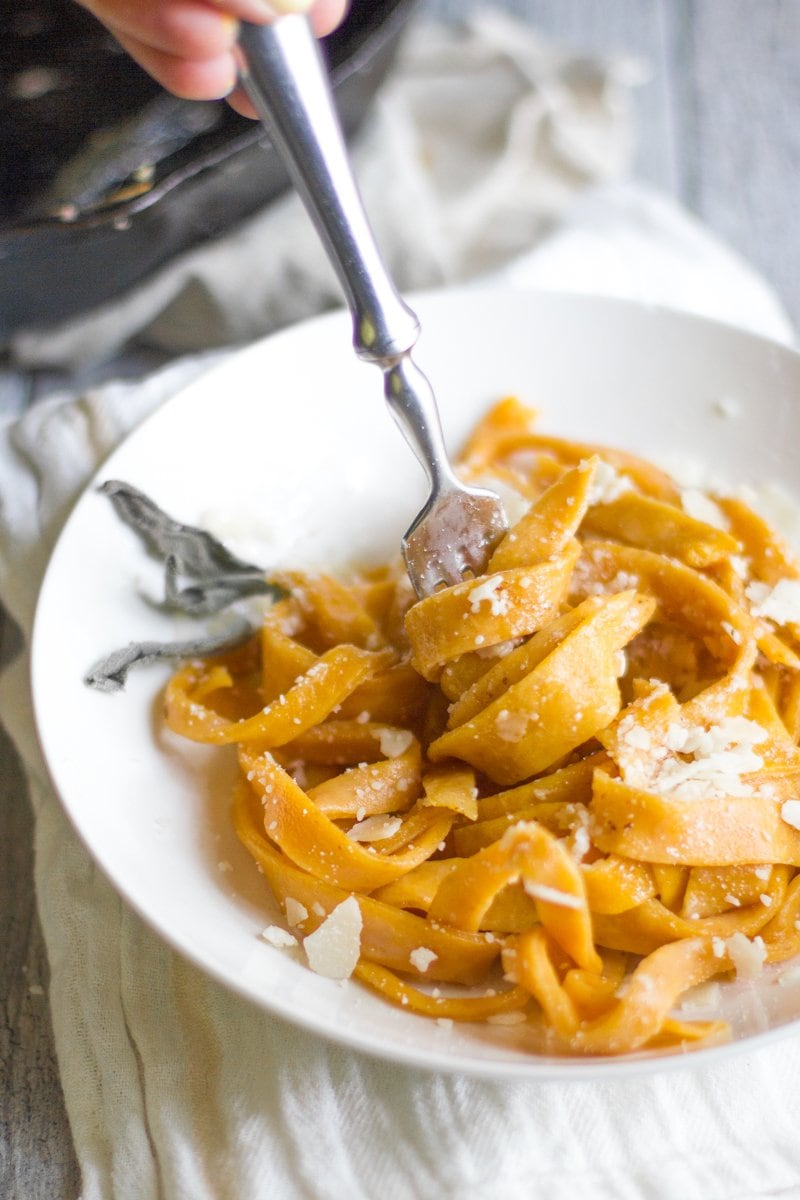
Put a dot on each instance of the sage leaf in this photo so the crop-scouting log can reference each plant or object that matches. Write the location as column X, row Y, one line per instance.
column 111, row 672
column 218, row 577
column 201, row 577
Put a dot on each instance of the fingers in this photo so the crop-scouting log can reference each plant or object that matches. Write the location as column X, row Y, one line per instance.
column 188, row 46
column 191, row 79
column 240, row 102
column 184, row 28
column 327, row 15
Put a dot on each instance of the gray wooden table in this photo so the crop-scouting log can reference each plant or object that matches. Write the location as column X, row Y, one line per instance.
column 719, row 130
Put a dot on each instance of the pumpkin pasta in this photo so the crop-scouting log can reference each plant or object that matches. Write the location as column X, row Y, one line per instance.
column 558, row 795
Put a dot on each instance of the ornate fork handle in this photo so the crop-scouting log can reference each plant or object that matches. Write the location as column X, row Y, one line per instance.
column 286, row 79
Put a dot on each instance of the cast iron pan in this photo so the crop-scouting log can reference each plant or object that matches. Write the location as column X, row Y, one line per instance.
column 64, row 80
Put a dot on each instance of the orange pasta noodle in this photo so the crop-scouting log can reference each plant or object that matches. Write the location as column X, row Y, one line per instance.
column 566, row 791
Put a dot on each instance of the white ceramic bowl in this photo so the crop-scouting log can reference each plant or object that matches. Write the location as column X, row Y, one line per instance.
column 287, row 451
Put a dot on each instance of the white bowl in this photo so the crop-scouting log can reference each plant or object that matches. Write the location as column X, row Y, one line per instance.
column 287, row 451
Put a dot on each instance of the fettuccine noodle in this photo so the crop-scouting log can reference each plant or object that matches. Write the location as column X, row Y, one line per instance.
column 556, row 796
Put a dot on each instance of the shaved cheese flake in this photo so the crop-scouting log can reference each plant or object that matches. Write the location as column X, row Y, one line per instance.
column 489, row 590
column 780, row 604
column 636, row 736
column 748, row 957
column 394, row 742
column 790, row 813
column 280, row 938
column 507, row 1018
column 296, row 912
column 510, row 726
column 499, row 650
column 550, row 895
column 421, row 958
column 607, row 484
column 699, row 763
column 374, row 829
column 333, row 949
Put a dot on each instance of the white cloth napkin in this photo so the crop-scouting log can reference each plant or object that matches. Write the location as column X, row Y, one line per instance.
column 178, row 1090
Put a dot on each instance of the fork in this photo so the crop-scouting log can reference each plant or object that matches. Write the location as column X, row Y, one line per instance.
column 284, row 75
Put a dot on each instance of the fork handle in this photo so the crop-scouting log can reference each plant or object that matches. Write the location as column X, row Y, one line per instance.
column 287, row 82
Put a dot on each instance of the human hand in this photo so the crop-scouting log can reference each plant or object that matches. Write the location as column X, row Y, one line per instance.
column 189, row 46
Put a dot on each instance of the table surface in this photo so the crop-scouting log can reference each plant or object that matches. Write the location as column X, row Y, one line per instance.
column 719, row 130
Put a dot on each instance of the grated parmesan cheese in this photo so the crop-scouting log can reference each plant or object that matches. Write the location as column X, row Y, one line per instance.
column 780, row 604
column 580, row 841
column 551, row 895
column 699, row 763
column 510, row 727
column 790, row 813
column 421, row 958
column 280, row 938
column 499, row 650
column 507, row 1018
column 334, row 948
column 489, row 590
column 296, row 912
column 748, row 957
column 638, row 738
column 608, row 484
column 394, row 742
column 374, row 829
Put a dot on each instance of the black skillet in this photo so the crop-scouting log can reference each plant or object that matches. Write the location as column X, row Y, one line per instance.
column 63, row 78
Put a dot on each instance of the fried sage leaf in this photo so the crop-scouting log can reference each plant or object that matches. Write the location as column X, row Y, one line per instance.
column 214, row 577
column 111, row 672
column 218, row 577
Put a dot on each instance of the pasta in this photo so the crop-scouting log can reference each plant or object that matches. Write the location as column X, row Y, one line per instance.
column 557, row 796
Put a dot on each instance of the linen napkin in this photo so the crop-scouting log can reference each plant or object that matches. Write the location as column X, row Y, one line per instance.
column 174, row 1087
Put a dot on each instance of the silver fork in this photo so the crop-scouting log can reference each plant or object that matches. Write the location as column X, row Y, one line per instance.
column 285, row 78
